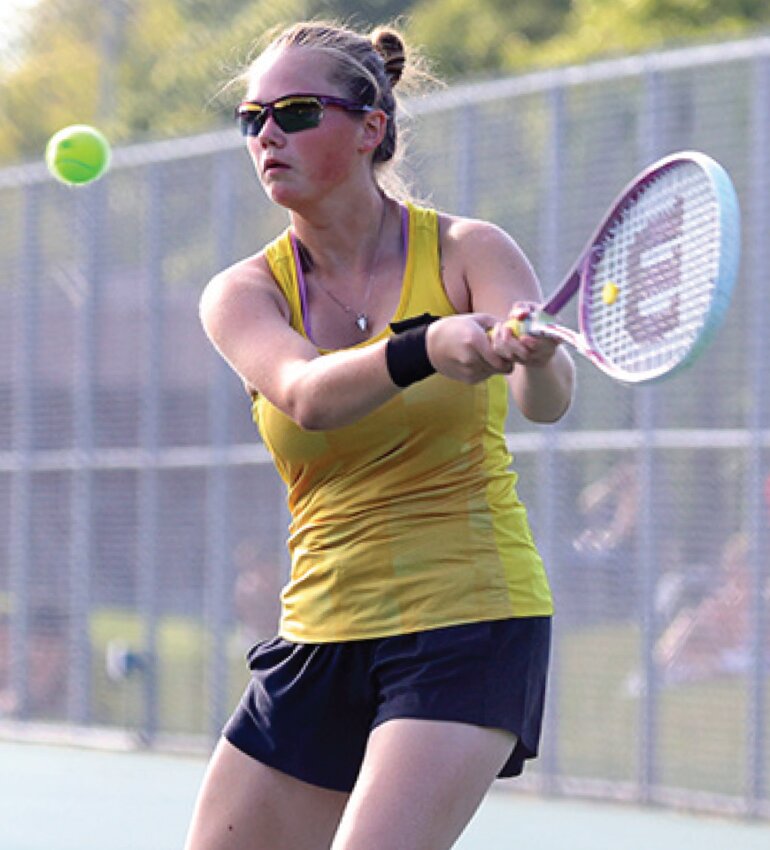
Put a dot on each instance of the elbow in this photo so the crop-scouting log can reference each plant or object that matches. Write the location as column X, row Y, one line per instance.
column 309, row 420
column 548, row 408
column 307, row 416
column 561, row 399
column 310, row 413
column 548, row 417
column 552, row 416
column 303, row 404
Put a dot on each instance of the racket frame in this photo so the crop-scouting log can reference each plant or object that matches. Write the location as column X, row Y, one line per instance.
column 578, row 281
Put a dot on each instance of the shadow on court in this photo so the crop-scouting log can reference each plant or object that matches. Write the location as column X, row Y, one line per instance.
column 65, row 798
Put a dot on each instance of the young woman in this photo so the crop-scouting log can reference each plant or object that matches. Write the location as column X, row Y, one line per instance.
column 410, row 666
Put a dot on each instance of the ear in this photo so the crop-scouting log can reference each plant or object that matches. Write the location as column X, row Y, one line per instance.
column 373, row 126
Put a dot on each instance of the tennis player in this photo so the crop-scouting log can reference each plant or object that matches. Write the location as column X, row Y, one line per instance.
column 410, row 667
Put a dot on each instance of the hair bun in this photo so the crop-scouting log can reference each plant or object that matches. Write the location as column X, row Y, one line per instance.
column 390, row 46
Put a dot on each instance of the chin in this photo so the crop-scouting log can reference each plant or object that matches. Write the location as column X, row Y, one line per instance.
column 286, row 195
column 283, row 197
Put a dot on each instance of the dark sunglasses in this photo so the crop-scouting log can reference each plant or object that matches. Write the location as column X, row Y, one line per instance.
column 292, row 113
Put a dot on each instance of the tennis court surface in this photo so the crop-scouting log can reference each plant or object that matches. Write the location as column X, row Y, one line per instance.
column 67, row 798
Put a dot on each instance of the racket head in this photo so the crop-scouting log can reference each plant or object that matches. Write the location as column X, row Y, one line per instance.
column 658, row 277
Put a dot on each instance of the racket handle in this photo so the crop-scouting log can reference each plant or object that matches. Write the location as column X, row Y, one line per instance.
column 518, row 327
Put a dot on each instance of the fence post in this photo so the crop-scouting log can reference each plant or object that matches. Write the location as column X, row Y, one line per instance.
column 90, row 213
column 20, row 532
column 467, row 189
column 148, row 484
column 757, row 359
column 649, row 145
column 218, row 542
column 548, row 466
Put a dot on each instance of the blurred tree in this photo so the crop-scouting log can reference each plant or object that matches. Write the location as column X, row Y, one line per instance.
column 154, row 68
column 44, row 86
column 595, row 28
column 137, row 68
column 482, row 37
column 364, row 12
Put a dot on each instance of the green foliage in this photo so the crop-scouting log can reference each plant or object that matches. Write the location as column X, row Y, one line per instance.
column 483, row 37
column 597, row 28
column 136, row 68
column 143, row 69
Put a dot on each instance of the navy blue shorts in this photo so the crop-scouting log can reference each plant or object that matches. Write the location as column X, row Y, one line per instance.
column 309, row 708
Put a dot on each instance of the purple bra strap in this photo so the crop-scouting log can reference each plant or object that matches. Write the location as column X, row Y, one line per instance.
column 302, row 286
column 301, row 276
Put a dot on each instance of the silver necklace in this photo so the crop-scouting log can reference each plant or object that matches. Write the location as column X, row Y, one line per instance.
column 360, row 317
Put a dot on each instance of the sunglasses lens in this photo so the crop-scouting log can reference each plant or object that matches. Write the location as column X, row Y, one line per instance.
column 251, row 120
column 293, row 116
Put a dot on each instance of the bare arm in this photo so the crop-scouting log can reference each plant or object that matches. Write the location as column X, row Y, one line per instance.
column 497, row 276
column 247, row 321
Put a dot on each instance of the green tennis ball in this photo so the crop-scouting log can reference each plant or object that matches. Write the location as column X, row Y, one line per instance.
column 78, row 154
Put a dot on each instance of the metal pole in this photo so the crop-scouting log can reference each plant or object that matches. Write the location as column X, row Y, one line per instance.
column 466, row 162
column 548, row 465
column 757, row 468
column 218, row 542
column 90, row 216
column 113, row 14
column 150, row 413
column 649, row 145
column 20, row 540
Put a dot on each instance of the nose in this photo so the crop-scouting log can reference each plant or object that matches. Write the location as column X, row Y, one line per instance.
column 269, row 136
column 268, row 121
column 270, row 133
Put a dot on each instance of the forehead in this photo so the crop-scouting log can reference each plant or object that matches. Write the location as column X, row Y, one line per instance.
column 290, row 70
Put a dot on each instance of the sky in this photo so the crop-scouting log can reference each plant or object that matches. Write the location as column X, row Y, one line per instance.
column 10, row 17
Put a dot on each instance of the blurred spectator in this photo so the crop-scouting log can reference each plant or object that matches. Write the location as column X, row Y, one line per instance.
column 603, row 584
column 609, row 507
column 714, row 635
column 45, row 664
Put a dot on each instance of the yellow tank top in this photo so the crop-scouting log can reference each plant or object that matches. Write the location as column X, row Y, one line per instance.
column 408, row 519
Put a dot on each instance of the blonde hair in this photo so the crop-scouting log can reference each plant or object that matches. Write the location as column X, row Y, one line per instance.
column 367, row 68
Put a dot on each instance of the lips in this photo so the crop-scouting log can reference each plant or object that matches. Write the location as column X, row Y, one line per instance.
column 270, row 166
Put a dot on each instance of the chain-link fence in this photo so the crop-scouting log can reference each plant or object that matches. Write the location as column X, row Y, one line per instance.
column 142, row 527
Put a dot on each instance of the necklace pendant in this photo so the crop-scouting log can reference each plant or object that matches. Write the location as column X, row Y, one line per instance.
column 362, row 320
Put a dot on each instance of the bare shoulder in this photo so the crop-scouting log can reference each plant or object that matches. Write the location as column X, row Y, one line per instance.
column 474, row 234
column 476, row 245
column 251, row 274
column 484, row 256
column 246, row 318
column 247, row 282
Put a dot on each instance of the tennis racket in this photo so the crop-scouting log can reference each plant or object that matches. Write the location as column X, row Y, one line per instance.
column 655, row 280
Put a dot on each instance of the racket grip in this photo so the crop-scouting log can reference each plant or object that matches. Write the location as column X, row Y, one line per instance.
column 518, row 327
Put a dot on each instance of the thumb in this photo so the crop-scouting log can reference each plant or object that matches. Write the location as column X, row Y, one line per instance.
column 486, row 321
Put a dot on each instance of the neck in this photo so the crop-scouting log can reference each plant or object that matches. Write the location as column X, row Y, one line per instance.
column 342, row 237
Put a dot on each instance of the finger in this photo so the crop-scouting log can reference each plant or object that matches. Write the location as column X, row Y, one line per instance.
column 497, row 365
column 505, row 330
column 485, row 320
column 495, row 354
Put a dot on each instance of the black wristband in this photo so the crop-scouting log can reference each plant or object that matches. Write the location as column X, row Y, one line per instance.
column 413, row 322
column 407, row 357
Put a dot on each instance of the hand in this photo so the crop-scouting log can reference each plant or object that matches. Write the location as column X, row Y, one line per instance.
column 527, row 350
column 460, row 348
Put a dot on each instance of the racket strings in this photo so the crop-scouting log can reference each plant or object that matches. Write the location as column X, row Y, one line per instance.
column 661, row 258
